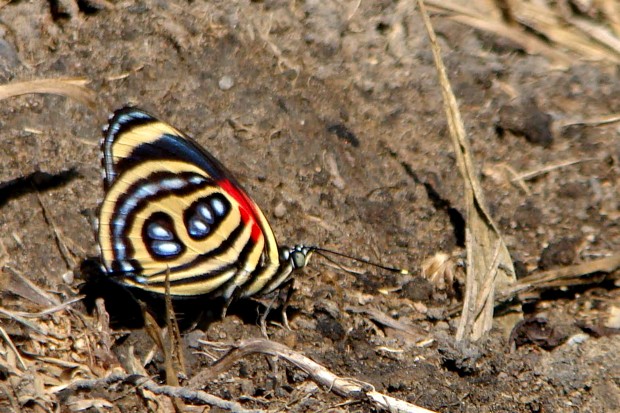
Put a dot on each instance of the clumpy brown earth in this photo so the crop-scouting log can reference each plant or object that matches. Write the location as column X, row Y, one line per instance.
column 330, row 115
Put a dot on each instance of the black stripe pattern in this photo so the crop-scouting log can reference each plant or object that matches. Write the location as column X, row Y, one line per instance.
column 173, row 210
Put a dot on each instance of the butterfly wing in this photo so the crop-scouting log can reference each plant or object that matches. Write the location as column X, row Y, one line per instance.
column 172, row 210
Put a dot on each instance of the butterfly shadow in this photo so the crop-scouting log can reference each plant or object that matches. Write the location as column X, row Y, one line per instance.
column 125, row 304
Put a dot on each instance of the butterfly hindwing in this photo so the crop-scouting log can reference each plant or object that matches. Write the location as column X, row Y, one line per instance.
column 173, row 210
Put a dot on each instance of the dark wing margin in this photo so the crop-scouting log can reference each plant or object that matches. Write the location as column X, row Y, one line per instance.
column 119, row 123
column 147, row 138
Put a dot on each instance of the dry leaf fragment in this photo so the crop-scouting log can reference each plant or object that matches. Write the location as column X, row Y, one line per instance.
column 82, row 405
column 536, row 331
column 74, row 88
column 440, row 271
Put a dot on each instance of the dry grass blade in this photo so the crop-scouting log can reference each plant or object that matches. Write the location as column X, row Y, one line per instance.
column 529, row 42
column 540, row 171
column 343, row 386
column 562, row 277
column 172, row 350
column 155, row 332
column 595, row 121
column 562, row 29
column 174, row 337
column 26, row 323
column 487, row 255
column 573, row 275
column 20, row 285
column 50, row 310
column 600, row 34
column 74, row 88
column 105, row 340
column 9, row 342
column 610, row 9
column 546, row 28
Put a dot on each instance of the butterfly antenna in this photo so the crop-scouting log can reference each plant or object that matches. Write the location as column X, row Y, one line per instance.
column 323, row 251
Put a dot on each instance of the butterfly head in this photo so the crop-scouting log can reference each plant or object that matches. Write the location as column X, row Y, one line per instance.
column 297, row 257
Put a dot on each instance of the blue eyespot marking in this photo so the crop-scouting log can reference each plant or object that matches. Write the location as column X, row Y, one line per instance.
column 165, row 248
column 160, row 238
column 197, row 227
column 126, row 266
column 196, row 180
column 157, row 232
column 218, row 207
column 205, row 213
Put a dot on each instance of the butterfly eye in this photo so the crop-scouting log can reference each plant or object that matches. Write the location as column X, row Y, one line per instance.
column 285, row 254
column 298, row 258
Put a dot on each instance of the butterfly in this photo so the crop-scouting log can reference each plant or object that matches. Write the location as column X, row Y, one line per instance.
column 172, row 213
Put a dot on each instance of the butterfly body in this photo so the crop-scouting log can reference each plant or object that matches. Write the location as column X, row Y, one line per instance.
column 173, row 212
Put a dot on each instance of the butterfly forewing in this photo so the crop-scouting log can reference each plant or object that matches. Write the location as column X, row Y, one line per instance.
column 172, row 210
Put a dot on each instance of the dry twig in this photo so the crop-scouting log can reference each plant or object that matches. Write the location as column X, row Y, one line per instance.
column 12, row 347
column 195, row 397
column 48, row 311
column 342, row 386
column 417, row 333
column 33, row 326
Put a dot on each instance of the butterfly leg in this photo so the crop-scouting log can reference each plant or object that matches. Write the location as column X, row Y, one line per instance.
column 263, row 317
column 282, row 295
column 233, row 297
column 290, row 290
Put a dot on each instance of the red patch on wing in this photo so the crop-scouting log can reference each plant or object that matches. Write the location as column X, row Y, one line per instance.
column 246, row 207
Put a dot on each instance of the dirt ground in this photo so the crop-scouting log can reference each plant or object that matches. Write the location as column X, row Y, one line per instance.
column 330, row 115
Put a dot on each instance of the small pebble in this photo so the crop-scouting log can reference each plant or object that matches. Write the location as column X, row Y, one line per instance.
column 192, row 338
column 280, row 210
column 613, row 321
column 8, row 55
column 290, row 339
column 247, row 387
column 442, row 325
column 226, row 82
column 80, row 344
column 577, row 339
column 68, row 277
